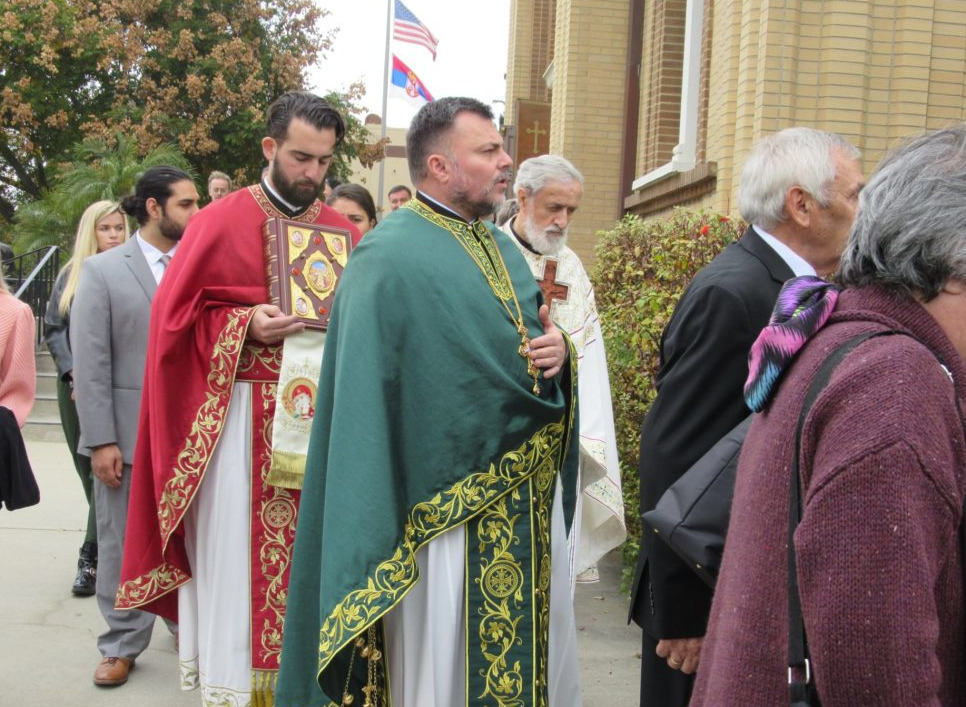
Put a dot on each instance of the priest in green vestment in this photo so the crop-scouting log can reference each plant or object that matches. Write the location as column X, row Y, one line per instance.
column 430, row 563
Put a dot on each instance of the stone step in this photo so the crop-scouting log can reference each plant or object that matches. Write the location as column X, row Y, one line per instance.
column 45, row 362
column 47, row 385
column 45, row 407
column 43, row 424
column 44, row 429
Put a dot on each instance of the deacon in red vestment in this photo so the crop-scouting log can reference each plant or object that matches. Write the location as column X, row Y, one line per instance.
column 204, row 525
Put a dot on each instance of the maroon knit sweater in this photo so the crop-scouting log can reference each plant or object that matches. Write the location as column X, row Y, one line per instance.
column 879, row 559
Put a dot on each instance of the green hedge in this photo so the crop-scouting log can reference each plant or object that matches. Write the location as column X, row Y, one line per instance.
column 642, row 269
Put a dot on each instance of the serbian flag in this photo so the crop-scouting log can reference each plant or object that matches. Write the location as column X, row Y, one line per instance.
column 408, row 28
column 406, row 84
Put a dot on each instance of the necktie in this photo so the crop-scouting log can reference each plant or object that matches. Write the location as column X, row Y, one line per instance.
column 164, row 260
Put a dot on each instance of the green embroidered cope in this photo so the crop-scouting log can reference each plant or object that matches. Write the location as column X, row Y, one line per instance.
column 426, row 419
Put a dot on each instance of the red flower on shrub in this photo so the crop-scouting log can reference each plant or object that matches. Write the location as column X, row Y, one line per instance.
column 705, row 229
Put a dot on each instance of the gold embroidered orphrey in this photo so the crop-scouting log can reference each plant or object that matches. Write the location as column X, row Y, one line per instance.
column 478, row 242
column 508, row 595
column 531, row 465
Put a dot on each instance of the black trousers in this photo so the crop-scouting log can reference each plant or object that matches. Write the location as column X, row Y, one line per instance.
column 660, row 685
column 68, row 420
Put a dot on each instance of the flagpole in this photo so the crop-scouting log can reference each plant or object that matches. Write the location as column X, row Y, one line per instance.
column 385, row 105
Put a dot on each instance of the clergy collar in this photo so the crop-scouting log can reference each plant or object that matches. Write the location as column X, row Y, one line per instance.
column 440, row 208
column 279, row 203
column 520, row 240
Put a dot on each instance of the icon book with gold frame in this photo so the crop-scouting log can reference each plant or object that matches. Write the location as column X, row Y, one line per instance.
column 304, row 262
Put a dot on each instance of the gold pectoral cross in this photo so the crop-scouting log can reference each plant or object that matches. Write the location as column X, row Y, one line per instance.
column 524, row 351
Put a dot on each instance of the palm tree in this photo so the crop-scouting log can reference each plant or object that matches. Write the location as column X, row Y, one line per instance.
column 98, row 170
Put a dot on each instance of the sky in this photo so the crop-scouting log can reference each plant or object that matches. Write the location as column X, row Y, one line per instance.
column 470, row 60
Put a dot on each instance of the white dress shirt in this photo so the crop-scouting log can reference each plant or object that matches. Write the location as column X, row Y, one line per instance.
column 793, row 260
column 154, row 256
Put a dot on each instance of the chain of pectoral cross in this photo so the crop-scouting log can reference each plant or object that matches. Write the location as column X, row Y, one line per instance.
column 524, row 349
column 480, row 245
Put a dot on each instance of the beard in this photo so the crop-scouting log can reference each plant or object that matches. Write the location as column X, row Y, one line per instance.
column 301, row 192
column 478, row 207
column 170, row 229
column 546, row 241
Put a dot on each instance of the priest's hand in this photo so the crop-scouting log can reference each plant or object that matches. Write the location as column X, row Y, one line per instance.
column 107, row 463
column 270, row 326
column 549, row 352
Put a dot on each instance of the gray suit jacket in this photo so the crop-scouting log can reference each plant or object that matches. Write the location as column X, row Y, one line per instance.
column 57, row 327
column 109, row 339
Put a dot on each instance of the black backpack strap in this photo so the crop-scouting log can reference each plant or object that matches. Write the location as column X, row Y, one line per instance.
column 799, row 666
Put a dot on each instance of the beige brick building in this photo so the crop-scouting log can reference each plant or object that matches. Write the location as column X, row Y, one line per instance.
column 395, row 168
column 659, row 101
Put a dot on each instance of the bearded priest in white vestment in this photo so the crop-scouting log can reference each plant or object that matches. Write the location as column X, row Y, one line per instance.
column 548, row 190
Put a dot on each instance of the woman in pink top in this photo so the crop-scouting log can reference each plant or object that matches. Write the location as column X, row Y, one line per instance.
column 18, row 368
column 18, row 383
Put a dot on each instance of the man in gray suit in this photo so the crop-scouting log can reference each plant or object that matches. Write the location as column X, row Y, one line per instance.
column 109, row 337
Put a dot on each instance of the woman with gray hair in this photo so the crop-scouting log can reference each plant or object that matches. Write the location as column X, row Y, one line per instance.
column 881, row 465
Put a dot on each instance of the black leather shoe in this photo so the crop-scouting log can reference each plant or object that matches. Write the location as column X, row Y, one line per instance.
column 86, row 579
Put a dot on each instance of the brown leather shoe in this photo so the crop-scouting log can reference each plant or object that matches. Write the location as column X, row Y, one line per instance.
column 112, row 672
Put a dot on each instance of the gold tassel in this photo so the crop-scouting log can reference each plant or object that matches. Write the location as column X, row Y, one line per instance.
column 288, row 470
column 263, row 688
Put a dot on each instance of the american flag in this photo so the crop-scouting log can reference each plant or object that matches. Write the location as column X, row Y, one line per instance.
column 408, row 28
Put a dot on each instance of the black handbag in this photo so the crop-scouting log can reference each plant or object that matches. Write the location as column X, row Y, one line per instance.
column 18, row 486
column 692, row 515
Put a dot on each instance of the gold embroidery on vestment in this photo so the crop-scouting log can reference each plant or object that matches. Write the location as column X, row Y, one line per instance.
column 255, row 355
column 510, row 591
column 477, row 240
column 192, row 460
column 501, row 586
column 277, row 513
column 261, row 198
column 148, row 587
column 392, row 578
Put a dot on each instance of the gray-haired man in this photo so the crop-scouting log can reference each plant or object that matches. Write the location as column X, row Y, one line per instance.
column 800, row 191
column 548, row 191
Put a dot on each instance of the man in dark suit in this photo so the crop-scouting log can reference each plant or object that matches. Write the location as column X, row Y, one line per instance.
column 109, row 340
column 799, row 191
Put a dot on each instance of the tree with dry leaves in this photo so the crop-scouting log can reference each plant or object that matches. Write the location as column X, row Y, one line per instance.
column 97, row 170
column 197, row 74
column 356, row 145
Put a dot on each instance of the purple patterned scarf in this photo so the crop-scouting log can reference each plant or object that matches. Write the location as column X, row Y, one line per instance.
column 803, row 306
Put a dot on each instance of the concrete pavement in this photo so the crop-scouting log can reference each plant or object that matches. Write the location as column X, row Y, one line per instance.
column 48, row 637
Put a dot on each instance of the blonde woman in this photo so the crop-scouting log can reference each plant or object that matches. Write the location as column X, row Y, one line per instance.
column 101, row 227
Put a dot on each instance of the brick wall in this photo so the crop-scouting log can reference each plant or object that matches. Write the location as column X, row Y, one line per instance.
column 531, row 48
column 587, row 109
column 875, row 72
column 661, row 70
